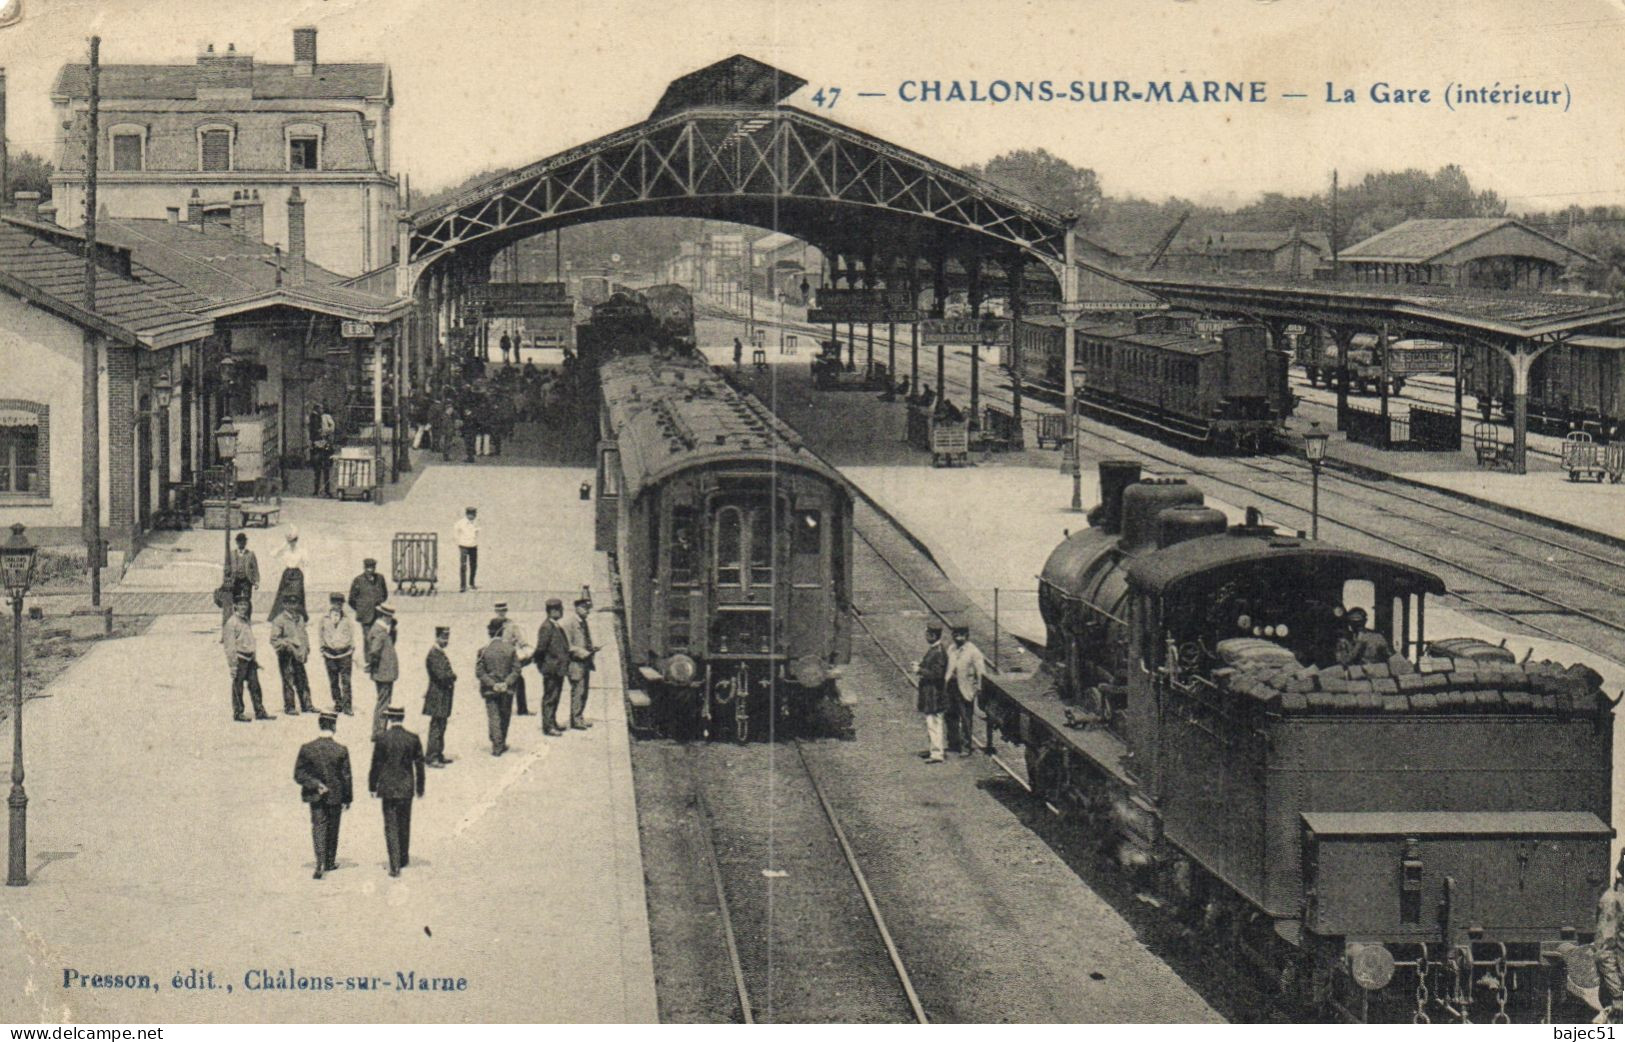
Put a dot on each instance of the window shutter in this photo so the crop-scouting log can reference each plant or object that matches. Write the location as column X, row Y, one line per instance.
column 126, row 152
column 216, row 150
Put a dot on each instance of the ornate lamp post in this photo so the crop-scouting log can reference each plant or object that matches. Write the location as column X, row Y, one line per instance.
column 17, row 570
column 225, row 443
column 1314, row 450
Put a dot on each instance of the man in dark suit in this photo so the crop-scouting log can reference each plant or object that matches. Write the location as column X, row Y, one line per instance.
column 323, row 773
column 437, row 700
column 582, row 651
column 552, row 658
column 245, row 575
column 367, row 591
column 383, row 665
column 496, row 667
column 397, row 773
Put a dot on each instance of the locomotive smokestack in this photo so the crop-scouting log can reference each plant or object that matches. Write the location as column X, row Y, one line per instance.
column 1115, row 476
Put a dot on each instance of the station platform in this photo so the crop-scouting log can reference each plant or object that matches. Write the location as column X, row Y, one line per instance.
column 166, row 838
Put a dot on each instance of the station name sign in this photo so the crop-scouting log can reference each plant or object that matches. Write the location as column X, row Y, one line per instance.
column 521, row 300
column 965, row 331
column 1405, row 361
column 351, row 330
column 865, row 305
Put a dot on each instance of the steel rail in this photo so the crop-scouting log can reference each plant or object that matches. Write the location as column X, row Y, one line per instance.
column 708, row 848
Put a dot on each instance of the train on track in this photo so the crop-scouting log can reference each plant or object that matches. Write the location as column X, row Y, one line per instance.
column 1578, row 384
column 1366, row 370
column 733, row 543
column 630, row 321
column 1418, row 838
column 1220, row 386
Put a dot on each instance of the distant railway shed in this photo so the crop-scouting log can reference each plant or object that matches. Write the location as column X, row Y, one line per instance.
column 1520, row 327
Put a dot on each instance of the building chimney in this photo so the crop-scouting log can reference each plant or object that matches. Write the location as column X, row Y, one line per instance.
column 174, row 213
column 248, row 217
column 194, row 210
column 28, row 205
column 296, row 237
column 304, row 50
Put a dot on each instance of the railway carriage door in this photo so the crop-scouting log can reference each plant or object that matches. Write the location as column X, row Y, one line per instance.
column 744, row 575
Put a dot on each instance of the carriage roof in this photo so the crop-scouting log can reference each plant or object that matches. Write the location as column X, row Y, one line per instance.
column 1170, row 571
column 672, row 414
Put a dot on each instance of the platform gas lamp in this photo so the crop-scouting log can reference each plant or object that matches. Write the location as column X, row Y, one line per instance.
column 1314, row 450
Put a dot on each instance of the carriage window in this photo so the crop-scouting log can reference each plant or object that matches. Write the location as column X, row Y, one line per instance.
column 729, row 538
column 682, row 546
column 761, row 547
column 809, row 525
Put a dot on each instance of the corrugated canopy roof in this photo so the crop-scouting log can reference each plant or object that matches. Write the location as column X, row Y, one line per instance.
column 1421, row 239
column 736, row 82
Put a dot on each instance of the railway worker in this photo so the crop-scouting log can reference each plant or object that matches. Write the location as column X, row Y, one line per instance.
column 467, row 533
column 739, row 353
column 437, row 700
column 337, row 635
column 368, row 592
column 1606, row 948
column 552, row 658
column 291, row 643
column 931, row 700
column 582, row 652
column 397, row 773
column 238, row 639
column 965, row 669
column 496, row 667
column 382, row 664
column 1359, row 646
column 521, row 651
column 506, row 345
column 322, row 771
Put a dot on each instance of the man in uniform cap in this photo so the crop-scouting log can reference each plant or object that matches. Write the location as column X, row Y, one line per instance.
column 467, row 531
column 382, row 664
column 579, row 633
column 437, row 700
column 338, row 651
column 1360, row 646
column 552, row 657
column 931, row 699
column 291, row 643
column 323, row 773
column 496, row 668
column 397, row 773
column 521, row 651
column 367, row 591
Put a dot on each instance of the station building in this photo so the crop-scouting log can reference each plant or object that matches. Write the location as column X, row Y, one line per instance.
column 195, row 137
column 1497, row 253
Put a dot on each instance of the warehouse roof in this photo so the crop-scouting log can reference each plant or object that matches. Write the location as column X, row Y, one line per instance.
column 1421, row 240
column 366, row 80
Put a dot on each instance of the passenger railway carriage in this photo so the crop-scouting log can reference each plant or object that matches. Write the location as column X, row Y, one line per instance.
column 734, row 547
column 1422, row 837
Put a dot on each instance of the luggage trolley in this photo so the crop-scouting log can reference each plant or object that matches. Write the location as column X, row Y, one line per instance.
column 414, row 562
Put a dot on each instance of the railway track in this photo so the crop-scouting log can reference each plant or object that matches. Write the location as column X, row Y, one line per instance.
column 805, row 936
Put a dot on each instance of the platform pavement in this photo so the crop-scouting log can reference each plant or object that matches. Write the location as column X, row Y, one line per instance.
column 164, row 836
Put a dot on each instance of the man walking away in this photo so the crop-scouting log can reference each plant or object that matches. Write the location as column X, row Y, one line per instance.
column 292, row 646
column 496, row 668
column 397, row 773
column 323, row 774
column 966, row 668
column 338, row 652
column 240, row 651
column 582, row 649
column 932, row 671
column 552, row 656
column 382, row 664
column 367, row 591
column 437, row 700
column 507, row 347
column 522, row 654
column 467, row 531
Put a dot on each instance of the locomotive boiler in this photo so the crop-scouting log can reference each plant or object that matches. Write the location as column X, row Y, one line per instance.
column 734, row 548
column 1418, row 838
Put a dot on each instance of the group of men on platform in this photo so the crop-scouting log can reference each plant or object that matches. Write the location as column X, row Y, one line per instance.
column 949, row 678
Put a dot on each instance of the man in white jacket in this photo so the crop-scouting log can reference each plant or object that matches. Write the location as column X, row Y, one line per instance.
column 966, row 668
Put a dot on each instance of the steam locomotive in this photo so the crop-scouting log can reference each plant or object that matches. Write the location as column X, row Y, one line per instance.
column 734, row 549
column 1418, row 838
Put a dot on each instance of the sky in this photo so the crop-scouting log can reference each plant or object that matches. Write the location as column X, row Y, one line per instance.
column 487, row 83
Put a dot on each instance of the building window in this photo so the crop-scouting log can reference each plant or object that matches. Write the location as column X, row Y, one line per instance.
column 24, row 449
column 214, row 149
column 129, row 147
column 304, row 153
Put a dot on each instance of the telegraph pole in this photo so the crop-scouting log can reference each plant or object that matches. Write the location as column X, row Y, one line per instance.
column 91, row 427
column 1334, row 226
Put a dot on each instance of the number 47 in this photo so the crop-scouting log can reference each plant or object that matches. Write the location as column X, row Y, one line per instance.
column 826, row 97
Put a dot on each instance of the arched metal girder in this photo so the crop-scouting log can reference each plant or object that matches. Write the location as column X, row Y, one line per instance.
column 779, row 168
